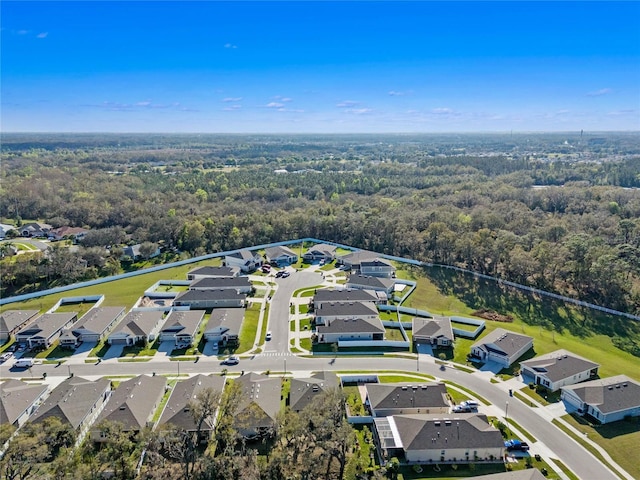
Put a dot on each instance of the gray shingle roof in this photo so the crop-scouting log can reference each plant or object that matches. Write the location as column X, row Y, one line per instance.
column 352, row 325
column 139, row 323
column 345, row 295
column 183, row 322
column 72, row 400
column 503, row 342
column 47, row 324
column 372, row 282
column 12, row 319
column 230, row 318
column 176, row 411
column 355, row 258
column 559, row 365
column 304, row 390
column 275, row 252
column 98, row 319
column 133, row 402
column 609, row 395
column 209, row 295
column 432, row 327
column 260, row 402
column 244, row 255
column 429, row 432
column 353, row 309
column 217, row 283
column 214, row 271
column 407, row 395
column 15, row 397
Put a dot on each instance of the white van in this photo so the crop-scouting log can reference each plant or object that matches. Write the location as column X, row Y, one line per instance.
column 24, row 363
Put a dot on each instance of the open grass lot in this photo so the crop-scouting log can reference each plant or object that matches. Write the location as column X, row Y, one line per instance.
column 582, row 331
column 620, row 439
column 79, row 308
column 249, row 328
column 393, row 334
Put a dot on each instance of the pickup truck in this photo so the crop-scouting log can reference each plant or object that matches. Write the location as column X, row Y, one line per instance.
column 516, row 445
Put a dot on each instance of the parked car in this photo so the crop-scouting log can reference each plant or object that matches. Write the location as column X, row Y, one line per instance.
column 5, row 356
column 285, row 274
column 232, row 360
column 268, row 336
column 470, row 403
column 280, row 273
column 461, row 409
column 23, row 363
column 266, row 268
column 516, row 444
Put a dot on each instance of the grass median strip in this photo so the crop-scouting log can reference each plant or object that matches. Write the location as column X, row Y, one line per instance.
column 470, row 392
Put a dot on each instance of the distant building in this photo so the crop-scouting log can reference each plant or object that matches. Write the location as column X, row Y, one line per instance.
column 321, row 251
column 35, row 229
column 245, row 260
column 212, row 272
column 206, row 299
column 5, row 229
column 280, row 255
column 501, row 346
column 371, row 283
column 239, row 284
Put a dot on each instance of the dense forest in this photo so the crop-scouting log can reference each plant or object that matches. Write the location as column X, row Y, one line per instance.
column 559, row 212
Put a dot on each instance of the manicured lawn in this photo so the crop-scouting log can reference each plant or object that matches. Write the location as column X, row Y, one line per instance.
column 79, row 308
column 249, row 328
column 393, row 334
column 305, row 322
column 306, row 343
column 466, row 390
column 620, row 440
column 303, row 309
column 56, row 351
column 391, row 316
column 141, row 351
column 548, row 398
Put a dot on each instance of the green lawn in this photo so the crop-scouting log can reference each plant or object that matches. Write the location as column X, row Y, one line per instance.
column 79, row 308
column 306, row 343
column 141, row 351
column 620, row 440
column 393, row 334
column 249, row 328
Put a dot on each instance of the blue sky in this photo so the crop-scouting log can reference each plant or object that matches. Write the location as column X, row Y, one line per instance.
column 326, row 67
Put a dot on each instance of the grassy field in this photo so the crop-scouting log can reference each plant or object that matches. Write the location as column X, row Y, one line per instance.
column 620, row 439
column 249, row 328
column 445, row 292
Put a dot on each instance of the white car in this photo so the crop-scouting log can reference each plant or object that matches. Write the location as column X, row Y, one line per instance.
column 268, row 336
column 5, row 356
column 232, row 360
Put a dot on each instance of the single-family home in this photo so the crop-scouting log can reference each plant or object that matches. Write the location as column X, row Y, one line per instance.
column 386, row 399
column 370, row 283
column 259, row 404
column 436, row 331
column 527, row 474
column 137, row 326
column 206, row 299
column 501, row 346
column 92, row 326
column 331, row 295
column 35, row 229
column 606, row 399
column 133, row 251
column 280, row 255
column 73, row 233
column 5, row 229
column 303, row 391
column 45, row 329
column 132, row 405
column 322, row 251
column 212, row 272
column 350, row 329
column 328, row 311
column 377, row 267
column 245, row 260
column 420, row 438
column 239, row 284
column 177, row 410
column 75, row 402
column 13, row 321
column 18, row 400
column 224, row 326
column 558, row 369
column 181, row 326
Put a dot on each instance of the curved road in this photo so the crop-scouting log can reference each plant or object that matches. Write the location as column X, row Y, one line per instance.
column 572, row 454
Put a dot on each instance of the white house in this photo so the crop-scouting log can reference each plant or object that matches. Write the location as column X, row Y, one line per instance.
column 435, row 331
column 501, row 346
column 558, row 369
column 92, row 326
column 181, row 326
column 280, row 255
column 606, row 399
column 245, row 260
column 137, row 326
column 224, row 325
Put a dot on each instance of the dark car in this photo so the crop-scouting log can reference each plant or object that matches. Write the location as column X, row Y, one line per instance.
column 280, row 273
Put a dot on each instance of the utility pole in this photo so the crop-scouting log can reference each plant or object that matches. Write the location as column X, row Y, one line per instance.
column 417, row 357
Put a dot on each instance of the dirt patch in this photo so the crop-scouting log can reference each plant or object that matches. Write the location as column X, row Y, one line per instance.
column 491, row 315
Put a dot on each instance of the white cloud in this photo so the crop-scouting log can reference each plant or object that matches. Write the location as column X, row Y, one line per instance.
column 230, row 45
column 394, row 93
column 618, row 113
column 143, row 104
column 42, row 35
column 22, row 32
column 232, row 99
column 347, row 104
column 274, row 105
column 282, row 99
column 598, row 93
column 442, row 111
column 358, row 111
column 232, row 108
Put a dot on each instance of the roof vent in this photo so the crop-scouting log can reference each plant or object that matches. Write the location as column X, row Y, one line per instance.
column 618, row 386
column 624, row 384
column 610, row 387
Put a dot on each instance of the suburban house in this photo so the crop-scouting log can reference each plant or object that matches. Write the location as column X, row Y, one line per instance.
column 239, row 284
column 212, row 272
column 137, row 326
column 330, row 295
column 4, row 229
column 259, row 404
column 12, row 321
column 245, row 260
column 606, row 399
column 46, row 329
column 558, row 369
column 132, row 405
column 420, row 438
column 352, row 260
column 206, row 299
column 328, row 311
column 303, row 391
column 527, row 474
column 350, row 329
column 435, row 331
column 370, row 283
column 224, row 326
column 280, row 255
column 35, row 229
column 73, row 233
column 177, row 410
column 377, row 267
column 501, row 346
column 18, row 400
column 322, row 251
column 386, row 399
column 75, row 402
column 181, row 326
column 133, row 251
column 92, row 326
